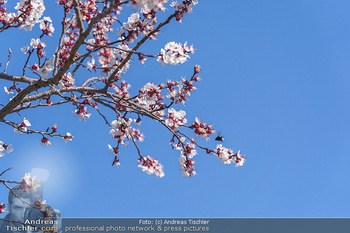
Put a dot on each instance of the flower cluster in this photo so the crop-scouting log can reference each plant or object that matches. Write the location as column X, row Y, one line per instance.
column 175, row 118
column 186, row 6
column 41, row 204
column 44, row 208
column 136, row 24
column 68, row 40
column 137, row 134
column 35, row 44
column 89, row 102
column 66, row 81
column 12, row 88
column 175, row 53
column 151, row 166
column 184, row 88
column 46, row 26
column 22, row 128
column 149, row 96
column 88, row 9
column 120, row 128
column 178, row 145
column 150, row 4
column 45, row 70
column 67, row 137
column 92, row 29
column 4, row 147
column 100, row 30
column 106, row 56
column 186, row 166
column 29, row 184
column 197, row 69
column 202, row 129
column 2, row 208
column 183, row 7
column 91, row 64
column 189, row 150
column 227, row 156
column 115, row 151
column 45, row 141
column 68, row 4
column 122, row 90
column 29, row 13
column 8, row 90
column 109, row 58
column 81, row 111
column 131, row 26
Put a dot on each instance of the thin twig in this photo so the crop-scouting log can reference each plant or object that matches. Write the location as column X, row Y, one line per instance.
column 8, row 60
column 30, row 204
column 128, row 57
column 6, row 171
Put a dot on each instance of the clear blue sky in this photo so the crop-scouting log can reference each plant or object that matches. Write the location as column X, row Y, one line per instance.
column 276, row 81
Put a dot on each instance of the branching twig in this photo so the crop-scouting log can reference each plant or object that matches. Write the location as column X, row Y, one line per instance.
column 128, row 57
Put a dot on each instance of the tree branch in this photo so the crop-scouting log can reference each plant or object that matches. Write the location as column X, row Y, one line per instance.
column 22, row 79
column 57, row 77
column 128, row 57
column 79, row 18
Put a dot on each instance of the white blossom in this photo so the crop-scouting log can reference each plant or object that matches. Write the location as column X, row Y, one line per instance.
column 46, row 26
column 30, row 184
column 148, row 5
column 8, row 148
column 35, row 13
column 91, row 64
column 34, row 42
column 8, row 91
column 151, row 166
column 25, row 49
column 175, row 53
column 175, row 118
column 179, row 5
column 66, row 81
column 132, row 22
column 45, row 70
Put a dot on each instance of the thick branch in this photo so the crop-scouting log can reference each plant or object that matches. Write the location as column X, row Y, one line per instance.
column 14, row 78
column 57, row 77
column 79, row 18
column 55, row 91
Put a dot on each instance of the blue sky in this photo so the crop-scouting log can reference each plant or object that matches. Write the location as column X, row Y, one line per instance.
column 275, row 83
